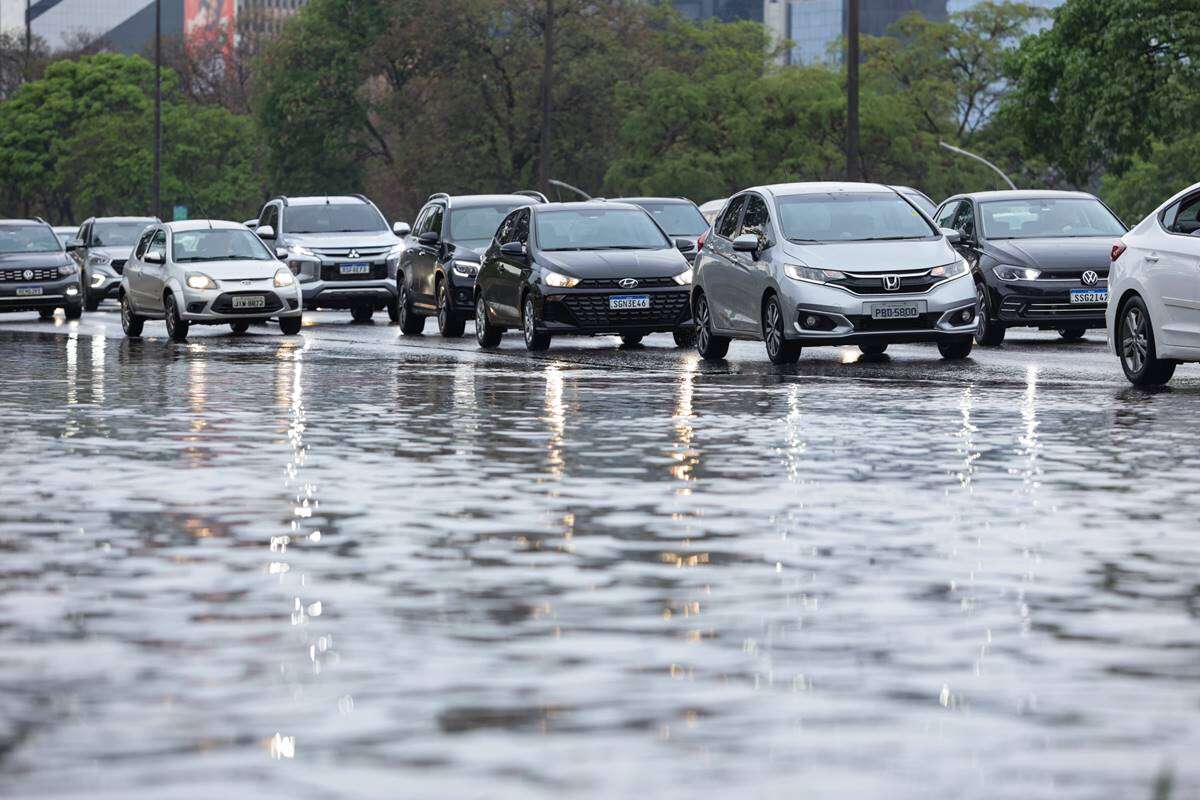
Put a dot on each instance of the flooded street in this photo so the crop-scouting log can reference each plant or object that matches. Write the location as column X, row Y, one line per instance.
column 354, row 564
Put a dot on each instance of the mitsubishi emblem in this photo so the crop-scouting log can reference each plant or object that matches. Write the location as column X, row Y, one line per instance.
column 891, row 282
column 352, row 254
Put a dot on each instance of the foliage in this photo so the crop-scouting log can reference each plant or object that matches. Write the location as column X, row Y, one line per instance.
column 1149, row 180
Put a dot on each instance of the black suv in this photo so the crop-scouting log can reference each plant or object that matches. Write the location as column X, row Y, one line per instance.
column 679, row 217
column 340, row 249
column 442, row 254
column 101, row 247
column 36, row 274
column 1040, row 258
column 583, row 268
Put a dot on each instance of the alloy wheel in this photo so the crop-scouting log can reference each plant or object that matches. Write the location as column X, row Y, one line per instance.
column 402, row 302
column 774, row 328
column 1135, row 346
column 528, row 320
column 443, row 311
column 981, row 312
column 702, row 319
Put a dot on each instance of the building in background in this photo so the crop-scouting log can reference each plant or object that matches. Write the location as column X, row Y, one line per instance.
column 954, row 6
column 816, row 26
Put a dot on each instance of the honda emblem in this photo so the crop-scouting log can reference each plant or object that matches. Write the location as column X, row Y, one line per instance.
column 891, row 282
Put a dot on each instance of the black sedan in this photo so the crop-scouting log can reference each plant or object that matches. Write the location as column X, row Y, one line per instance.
column 582, row 268
column 1040, row 258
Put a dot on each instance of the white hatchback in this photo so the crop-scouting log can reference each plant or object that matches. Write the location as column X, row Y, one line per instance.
column 206, row 272
column 1153, row 315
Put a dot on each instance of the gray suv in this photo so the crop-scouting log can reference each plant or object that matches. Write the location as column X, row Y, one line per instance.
column 36, row 274
column 340, row 249
column 101, row 247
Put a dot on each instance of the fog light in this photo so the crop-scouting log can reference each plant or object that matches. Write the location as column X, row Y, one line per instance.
column 72, row 291
column 810, row 321
column 966, row 315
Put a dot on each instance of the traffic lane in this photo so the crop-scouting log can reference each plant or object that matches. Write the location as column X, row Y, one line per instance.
column 1025, row 352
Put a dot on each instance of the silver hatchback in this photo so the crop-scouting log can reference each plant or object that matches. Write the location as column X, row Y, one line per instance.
column 819, row 264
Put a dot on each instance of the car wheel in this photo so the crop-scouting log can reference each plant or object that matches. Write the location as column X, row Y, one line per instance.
column 73, row 310
column 534, row 339
column 90, row 301
column 779, row 349
column 684, row 337
column 1071, row 334
column 289, row 326
column 710, row 346
column 450, row 325
column 239, row 327
column 988, row 332
column 487, row 334
column 631, row 339
column 955, row 349
column 1135, row 343
column 131, row 323
column 393, row 308
column 45, row 313
column 362, row 314
column 410, row 323
column 177, row 329
column 873, row 349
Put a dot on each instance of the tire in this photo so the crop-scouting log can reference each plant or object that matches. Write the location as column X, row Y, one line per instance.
column 177, row 329
column 631, row 339
column 290, row 326
column 73, row 310
column 393, row 308
column 45, row 313
column 988, row 332
column 131, row 322
column 450, row 324
column 873, row 349
column 1071, row 334
column 410, row 323
column 684, row 337
column 1136, row 347
column 535, row 340
column 779, row 349
column 361, row 314
column 709, row 345
column 487, row 334
column 90, row 301
column 955, row 349
column 239, row 327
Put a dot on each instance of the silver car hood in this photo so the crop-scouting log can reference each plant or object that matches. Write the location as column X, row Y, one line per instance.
column 118, row 252
column 351, row 239
column 234, row 270
column 873, row 256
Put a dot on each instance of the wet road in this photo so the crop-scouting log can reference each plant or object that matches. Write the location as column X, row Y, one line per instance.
column 353, row 564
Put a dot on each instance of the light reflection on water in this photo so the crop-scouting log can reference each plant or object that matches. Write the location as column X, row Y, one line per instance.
column 235, row 563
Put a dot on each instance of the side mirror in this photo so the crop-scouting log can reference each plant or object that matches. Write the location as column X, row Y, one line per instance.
column 265, row 232
column 429, row 238
column 155, row 257
column 952, row 236
column 281, row 253
column 513, row 250
column 401, row 228
column 74, row 244
column 685, row 245
column 746, row 243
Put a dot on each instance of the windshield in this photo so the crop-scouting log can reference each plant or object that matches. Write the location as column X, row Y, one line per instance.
column 222, row 244
column 850, row 217
column 922, row 202
column 28, row 239
column 478, row 223
column 333, row 218
column 598, row 229
column 677, row 219
column 1048, row 218
column 117, row 234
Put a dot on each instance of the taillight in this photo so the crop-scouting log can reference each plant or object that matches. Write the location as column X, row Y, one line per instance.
column 703, row 237
column 1117, row 250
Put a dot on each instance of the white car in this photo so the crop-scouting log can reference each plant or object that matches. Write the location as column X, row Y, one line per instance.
column 1153, row 314
column 206, row 272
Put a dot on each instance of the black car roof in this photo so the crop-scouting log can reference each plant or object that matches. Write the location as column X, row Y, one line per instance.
column 585, row 205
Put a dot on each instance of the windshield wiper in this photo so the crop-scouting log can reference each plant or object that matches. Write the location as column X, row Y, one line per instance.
column 794, row 239
column 890, row 238
column 218, row 258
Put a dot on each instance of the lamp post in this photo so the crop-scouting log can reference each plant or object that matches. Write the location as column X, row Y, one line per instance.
column 853, row 173
column 981, row 160
column 157, row 188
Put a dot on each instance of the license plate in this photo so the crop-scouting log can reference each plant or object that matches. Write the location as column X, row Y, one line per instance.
column 629, row 302
column 887, row 311
column 249, row 302
column 1089, row 296
column 29, row 291
column 354, row 269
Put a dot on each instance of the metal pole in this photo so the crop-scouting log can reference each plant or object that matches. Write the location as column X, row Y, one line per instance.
column 547, row 78
column 28, row 40
column 981, row 160
column 853, row 171
column 569, row 188
column 157, row 109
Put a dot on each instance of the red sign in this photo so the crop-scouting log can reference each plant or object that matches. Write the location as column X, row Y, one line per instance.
column 209, row 23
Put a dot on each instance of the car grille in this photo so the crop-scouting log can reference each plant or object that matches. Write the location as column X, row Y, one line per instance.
column 612, row 283
column 39, row 274
column 1054, row 309
column 592, row 311
column 224, row 303
column 118, row 265
column 1074, row 275
column 864, row 324
column 329, row 272
column 344, row 252
column 910, row 283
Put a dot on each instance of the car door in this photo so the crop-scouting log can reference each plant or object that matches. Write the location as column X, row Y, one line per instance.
column 491, row 271
column 410, row 259
column 425, row 257
column 1172, row 262
column 964, row 223
column 748, row 293
column 514, row 270
column 153, row 276
column 723, row 272
column 133, row 268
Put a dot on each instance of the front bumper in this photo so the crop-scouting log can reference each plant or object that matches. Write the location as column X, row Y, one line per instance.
column 102, row 283
column 323, row 287
column 587, row 311
column 53, row 294
column 1046, row 304
column 826, row 315
column 224, row 304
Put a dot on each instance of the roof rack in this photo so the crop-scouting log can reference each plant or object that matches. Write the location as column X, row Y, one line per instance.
column 362, row 197
column 541, row 198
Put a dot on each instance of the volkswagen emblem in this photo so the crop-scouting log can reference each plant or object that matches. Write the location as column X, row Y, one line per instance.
column 891, row 282
column 627, row 283
column 1090, row 278
column 352, row 254
column 27, row 274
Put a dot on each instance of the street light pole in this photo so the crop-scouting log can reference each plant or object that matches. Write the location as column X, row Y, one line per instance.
column 157, row 109
column 28, row 40
column 853, row 171
column 547, row 79
column 981, row 160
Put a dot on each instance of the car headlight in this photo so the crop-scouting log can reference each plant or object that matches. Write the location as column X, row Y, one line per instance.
column 394, row 253
column 955, row 270
column 684, row 278
column 68, row 269
column 99, row 259
column 300, row 250
column 1007, row 273
column 467, row 269
column 800, row 273
column 198, row 280
column 284, row 277
column 559, row 281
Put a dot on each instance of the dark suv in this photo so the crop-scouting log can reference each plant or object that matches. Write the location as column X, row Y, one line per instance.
column 36, row 274
column 101, row 247
column 340, row 249
column 442, row 254
column 680, row 218
column 1040, row 259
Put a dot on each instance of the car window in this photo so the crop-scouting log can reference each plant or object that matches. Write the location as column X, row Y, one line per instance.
column 434, row 223
column 159, row 242
column 476, row 223
column 85, row 230
column 218, row 244
column 677, row 219
column 855, row 216
column 945, row 218
column 504, row 231
column 964, row 219
column 521, row 227
column 270, row 216
column 31, row 238
column 757, row 219
column 334, row 218
column 1049, row 217
column 143, row 243
column 727, row 223
column 592, row 228
column 121, row 233
column 1184, row 217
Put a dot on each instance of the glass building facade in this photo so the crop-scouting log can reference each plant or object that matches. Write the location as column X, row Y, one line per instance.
column 815, row 26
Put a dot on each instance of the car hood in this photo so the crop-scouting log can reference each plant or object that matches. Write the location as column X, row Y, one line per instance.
column 357, row 239
column 117, row 251
column 895, row 256
column 1092, row 252
column 234, row 270
column 662, row 263
column 54, row 258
